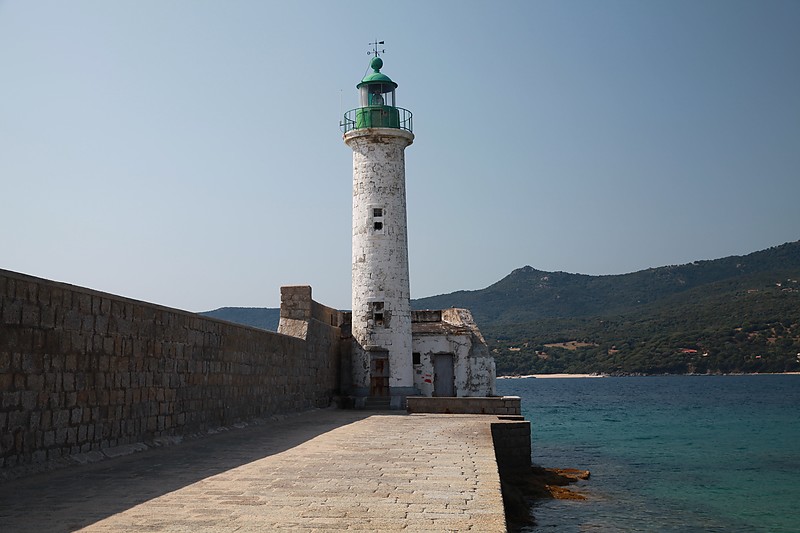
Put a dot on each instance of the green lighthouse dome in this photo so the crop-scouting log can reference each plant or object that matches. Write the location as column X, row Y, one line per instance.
column 376, row 76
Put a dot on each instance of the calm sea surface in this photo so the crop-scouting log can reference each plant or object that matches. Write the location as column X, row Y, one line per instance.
column 682, row 453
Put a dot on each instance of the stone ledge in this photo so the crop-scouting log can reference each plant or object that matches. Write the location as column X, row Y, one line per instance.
column 485, row 405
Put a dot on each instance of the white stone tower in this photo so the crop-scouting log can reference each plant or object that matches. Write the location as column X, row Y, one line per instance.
column 378, row 133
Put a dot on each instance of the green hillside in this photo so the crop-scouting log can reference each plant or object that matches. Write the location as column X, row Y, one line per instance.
column 737, row 314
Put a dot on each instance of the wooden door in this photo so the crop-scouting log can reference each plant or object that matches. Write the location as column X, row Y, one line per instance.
column 379, row 374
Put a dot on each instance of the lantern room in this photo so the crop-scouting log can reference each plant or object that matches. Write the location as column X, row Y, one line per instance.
column 376, row 89
column 377, row 109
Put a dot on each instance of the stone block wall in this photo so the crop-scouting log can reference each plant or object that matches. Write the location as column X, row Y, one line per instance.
column 298, row 308
column 488, row 405
column 82, row 370
column 512, row 444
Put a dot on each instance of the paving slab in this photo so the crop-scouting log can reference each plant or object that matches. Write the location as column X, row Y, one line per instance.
column 325, row 470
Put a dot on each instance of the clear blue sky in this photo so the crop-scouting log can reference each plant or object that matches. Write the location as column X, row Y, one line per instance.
column 188, row 152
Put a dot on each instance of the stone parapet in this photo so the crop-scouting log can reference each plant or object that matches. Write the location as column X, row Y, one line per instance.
column 490, row 405
column 296, row 302
column 83, row 371
column 426, row 315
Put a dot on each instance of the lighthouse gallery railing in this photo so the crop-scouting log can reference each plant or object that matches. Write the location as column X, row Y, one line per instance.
column 377, row 117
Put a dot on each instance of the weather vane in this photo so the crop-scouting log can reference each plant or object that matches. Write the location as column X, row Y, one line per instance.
column 375, row 48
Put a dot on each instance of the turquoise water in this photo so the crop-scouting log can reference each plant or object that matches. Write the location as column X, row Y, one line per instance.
column 672, row 453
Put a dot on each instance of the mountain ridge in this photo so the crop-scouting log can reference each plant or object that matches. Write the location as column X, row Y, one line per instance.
column 560, row 294
column 733, row 314
column 257, row 317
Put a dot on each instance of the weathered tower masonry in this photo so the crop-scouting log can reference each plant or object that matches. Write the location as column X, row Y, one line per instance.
column 396, row 353
column 378, row 133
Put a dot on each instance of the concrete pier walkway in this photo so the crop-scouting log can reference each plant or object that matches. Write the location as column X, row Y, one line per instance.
column 326, row 470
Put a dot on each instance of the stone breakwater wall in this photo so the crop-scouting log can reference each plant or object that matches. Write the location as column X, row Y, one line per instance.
column 512, row 443
column 82, row 370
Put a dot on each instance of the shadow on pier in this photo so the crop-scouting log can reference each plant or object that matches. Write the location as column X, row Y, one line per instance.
column 74, row 497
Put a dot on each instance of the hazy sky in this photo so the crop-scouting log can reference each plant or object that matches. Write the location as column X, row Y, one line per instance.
column 188, row 153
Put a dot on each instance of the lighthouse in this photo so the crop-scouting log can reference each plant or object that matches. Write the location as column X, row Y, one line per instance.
column 378, row 132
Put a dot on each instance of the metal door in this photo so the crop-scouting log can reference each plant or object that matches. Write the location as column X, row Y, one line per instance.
column 443, row 375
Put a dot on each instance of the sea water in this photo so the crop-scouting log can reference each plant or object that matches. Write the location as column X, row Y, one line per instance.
column 671, row 453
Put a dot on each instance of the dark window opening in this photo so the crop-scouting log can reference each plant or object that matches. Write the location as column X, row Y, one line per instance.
column 377, row 220
column 377, row 313
column 415, row 358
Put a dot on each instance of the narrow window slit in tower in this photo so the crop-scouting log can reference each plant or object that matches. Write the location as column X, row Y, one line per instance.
column 377, row 220
column 377, row 313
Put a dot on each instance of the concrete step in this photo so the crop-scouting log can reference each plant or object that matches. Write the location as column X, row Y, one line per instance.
column 378, row 403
